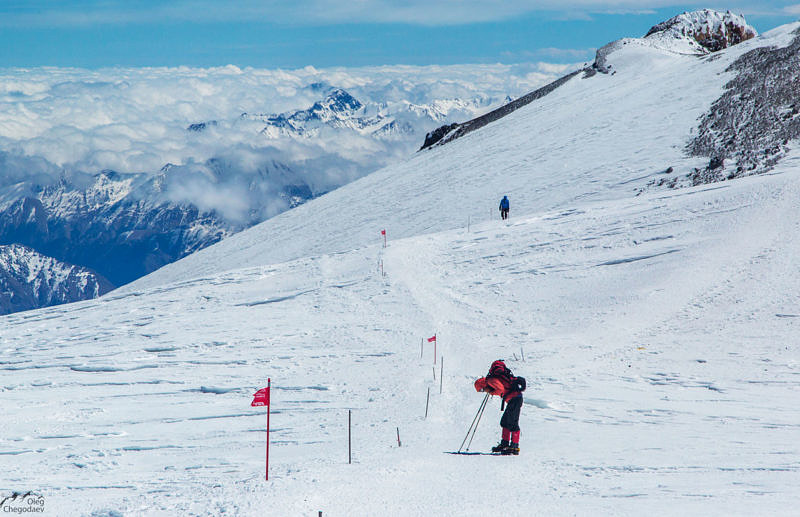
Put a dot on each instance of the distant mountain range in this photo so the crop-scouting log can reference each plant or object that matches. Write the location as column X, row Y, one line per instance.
column 29, row 279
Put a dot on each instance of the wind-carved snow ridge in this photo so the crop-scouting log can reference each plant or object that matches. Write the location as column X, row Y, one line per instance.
column 447, row 133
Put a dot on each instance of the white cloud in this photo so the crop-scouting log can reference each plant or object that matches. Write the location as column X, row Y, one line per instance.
column 561, row 54
column 792, row 9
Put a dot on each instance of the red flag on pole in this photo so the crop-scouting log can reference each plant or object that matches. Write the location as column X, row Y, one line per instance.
column 432, row 338
column 261, row 397
column 383, row 232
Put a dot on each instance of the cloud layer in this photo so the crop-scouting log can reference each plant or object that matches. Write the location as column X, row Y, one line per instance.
column 56, row 121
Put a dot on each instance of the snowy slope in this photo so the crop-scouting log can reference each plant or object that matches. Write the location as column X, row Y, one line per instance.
column 658, row 338
column 657, row 332
column 601, row 137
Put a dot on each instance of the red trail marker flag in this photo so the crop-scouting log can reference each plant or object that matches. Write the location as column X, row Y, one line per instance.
column 434, row 347
column 432, row 338
column 261, row 398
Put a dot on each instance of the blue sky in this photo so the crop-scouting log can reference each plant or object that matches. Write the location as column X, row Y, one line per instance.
column 326, row 33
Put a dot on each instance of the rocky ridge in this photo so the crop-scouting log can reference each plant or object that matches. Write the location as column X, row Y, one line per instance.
column 703, row 31
column 750, row 127
column 699, row 32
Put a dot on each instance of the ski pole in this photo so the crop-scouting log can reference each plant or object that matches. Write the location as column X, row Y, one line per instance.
column 474, row 419
column 476, row 426
column 480, row 410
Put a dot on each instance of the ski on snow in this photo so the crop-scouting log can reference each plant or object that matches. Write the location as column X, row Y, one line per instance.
column 471, row 453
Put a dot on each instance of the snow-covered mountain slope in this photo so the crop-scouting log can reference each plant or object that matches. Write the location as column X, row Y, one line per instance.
column 695, row 33
column 657, row 337
column 656, row 329
column 595, row 137
column 29, row 279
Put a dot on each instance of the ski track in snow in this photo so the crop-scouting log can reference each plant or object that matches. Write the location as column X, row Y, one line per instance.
column 657, row 334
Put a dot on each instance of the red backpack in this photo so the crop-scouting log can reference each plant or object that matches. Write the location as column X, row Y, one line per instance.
column 498, row 370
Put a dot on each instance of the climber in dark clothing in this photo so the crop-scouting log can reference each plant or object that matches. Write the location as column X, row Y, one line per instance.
column 504, row 206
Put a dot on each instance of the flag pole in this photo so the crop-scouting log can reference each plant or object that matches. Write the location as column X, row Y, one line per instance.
column 269, row 381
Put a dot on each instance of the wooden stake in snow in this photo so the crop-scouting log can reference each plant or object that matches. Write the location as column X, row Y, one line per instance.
column 398, row 438
column 427, row 400
column 421, row 346
column 349, row 435
column 434, row 372
column 383, row 232
column 441, row 376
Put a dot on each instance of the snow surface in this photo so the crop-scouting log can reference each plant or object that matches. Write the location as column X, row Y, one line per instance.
column 658, row 334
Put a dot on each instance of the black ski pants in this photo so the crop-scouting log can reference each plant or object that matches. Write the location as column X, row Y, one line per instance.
column 510, row 419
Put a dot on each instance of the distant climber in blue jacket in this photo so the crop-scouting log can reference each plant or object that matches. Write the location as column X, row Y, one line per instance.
column 504, row 207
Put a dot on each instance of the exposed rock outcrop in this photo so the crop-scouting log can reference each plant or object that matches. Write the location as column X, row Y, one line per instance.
column 706, row 30
column 748, row 129
column 448, row 133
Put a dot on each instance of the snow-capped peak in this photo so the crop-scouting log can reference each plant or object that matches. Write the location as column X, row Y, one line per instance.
column 338, row 101
column 694, row 33
column 702, row 31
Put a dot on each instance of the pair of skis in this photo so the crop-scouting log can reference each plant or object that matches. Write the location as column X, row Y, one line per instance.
column 473, row 453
